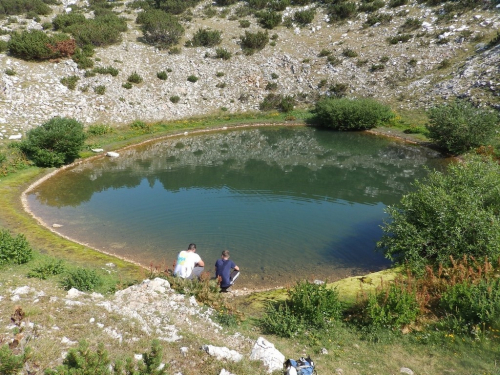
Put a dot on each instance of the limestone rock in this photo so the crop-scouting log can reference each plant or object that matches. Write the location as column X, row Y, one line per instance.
column 222, row 353
column 265, row 351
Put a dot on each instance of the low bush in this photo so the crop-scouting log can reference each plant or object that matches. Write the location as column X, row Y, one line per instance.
column 252, row 42
column 371, row 6
column 348, row 52
column 14, row 249
column 70, row 81
column 64, row 20
column 106, row 70
column 162, row 75
column 222, row 53
column 494, row 41
column 10, row 72
column 82, row 279
column 100, row 31
column 351, row 114
column 4, row 46
column 140, row 125
column 175, row 99
column 205, row 38
column 18, row 7
column 99, row 129
column 333, row 60
column 448, row 215
column 308, row 307
column 223, row 3
column 134, row 78
column 244, row 23
column 257, row 4
column 342, row 10
column 271, row 86
column 279, row 5
column 304, row 17
column 269, row 19
column 377, row 67
column 378, row 18
column 397, row 3
column 278, row 102
column 403, row 38
column 82, row 57
column 47, row 269
column 54, row 143
column 338, row 90
column 411, row 24
column 324, row 52
column 458, row 126
column 100, row 89
column 160, row 29
column 192, row 78
column 37, row 45
column 10, row 363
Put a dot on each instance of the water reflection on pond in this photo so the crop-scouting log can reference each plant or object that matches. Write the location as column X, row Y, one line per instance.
column 287, row 202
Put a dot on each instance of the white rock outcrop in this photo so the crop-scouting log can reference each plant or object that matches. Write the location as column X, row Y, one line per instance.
column 265, row 351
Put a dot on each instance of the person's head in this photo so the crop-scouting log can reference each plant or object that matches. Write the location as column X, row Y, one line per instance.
column 225, row 254
column 192, row 247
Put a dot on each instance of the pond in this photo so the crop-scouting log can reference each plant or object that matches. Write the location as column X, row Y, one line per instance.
column 287, row 202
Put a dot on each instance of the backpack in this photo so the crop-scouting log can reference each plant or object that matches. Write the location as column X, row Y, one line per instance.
column 301, row 366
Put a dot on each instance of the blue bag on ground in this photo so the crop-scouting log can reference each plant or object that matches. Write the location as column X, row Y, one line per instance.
column 302, row 366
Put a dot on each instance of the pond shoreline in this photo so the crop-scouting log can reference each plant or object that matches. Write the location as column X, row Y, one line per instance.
column 257, row 286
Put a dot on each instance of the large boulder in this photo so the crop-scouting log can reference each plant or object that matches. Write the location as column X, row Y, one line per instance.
column 265, row 351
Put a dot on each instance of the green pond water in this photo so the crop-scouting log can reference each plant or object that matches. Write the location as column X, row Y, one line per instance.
column 288, row 203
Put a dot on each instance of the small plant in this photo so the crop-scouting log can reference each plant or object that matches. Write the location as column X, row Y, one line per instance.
column 100, row 90
column 169, row 70
column 162, row 75
column 47, row 25
column 222, row 53
column 106, row 70
column 70, row 81
column 244, row 24
column 377, row 67
column 322, row 83
column 174, row 51
column 444, row 64
column 192, row 78
column 338, row 90
column 377, row 18
column 205, row 38
column 333, row 60
column 342, row 10
column 175, row 99
column 324, row 53
column 219, row 74
column 10, row 72
column 47, row 269
column 271, row 86
column 411, row 24
column 384, row 59
column 11, row 364
column 494, row 41
column 127, row 85
column 269, row 19
column 361, row 63
column 403, row 38
column 134, row 78
column 252, row 42
column 274, row 76
column 99, row 129
column 221, row 85
column 412, row 62
column 14, row 249
column 304, row 17
column 347, row 52
column 397, row 3
column 82, row 279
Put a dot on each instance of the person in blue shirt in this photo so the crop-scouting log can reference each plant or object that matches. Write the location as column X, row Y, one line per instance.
column 226, row 271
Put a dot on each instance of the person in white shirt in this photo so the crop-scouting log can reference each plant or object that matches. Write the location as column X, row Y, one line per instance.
column 189, row 264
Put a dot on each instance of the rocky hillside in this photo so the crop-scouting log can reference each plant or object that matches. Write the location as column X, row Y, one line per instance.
column 443, row 57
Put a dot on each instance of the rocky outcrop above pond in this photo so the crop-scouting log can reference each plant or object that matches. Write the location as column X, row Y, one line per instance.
column 442, row 59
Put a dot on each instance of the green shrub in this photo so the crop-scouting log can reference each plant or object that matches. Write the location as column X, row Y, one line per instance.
column 271, row 86
column 351, row 114
column 459, row 126
column 134, row 78
column 411, row 24
column 47, row 25
column 444, row 64
column 257, row 4
column 100, row 31
column 304, row 17
column 347, row 52
column 371, row 6
column 397, row 3
column 252, row 42
column 35, row 45
column 403, row 38
column 381, row 18
column 223, row 3
column 10, row 72
column 54, row 143
column 221, row 85
column 192, row 78
column 452, row 214
column 47, row 269
column 99, row 129
column 244, row 23
column 64, row 20
column 100, row 90
column 222, row 53
column 279, row 102
column 106, row 70
column 4, row 46
column 160, row 29
column 269, row 19
column 494, row 41
column 308, row 306
column 162, row 75
column 219, row 74
column 18, row 7
column 279, row 5
column 70, row 81
column 82, row 58
column 14, row 250
column 175, row 99
column 140, row 125
column 324, row 52
column 205, row 38
column 82, row 279
column 11, row 364
column 333, row 60
column 342, row 10
column 338, row 90
column 377, row 67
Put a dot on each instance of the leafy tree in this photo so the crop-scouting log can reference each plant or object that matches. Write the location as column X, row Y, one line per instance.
column 459, row 126
column 54, row 143
column 351, row 114
column 449, row 214
column 160, row 29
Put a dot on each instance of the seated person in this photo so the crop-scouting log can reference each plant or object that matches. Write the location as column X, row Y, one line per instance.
column 189, row 264
column 226, row 271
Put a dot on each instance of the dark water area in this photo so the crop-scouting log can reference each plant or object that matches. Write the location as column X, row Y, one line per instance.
column 288, row 203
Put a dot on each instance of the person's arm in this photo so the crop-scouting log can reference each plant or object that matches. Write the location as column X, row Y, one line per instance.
column 200, row 263
column 236, row 268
